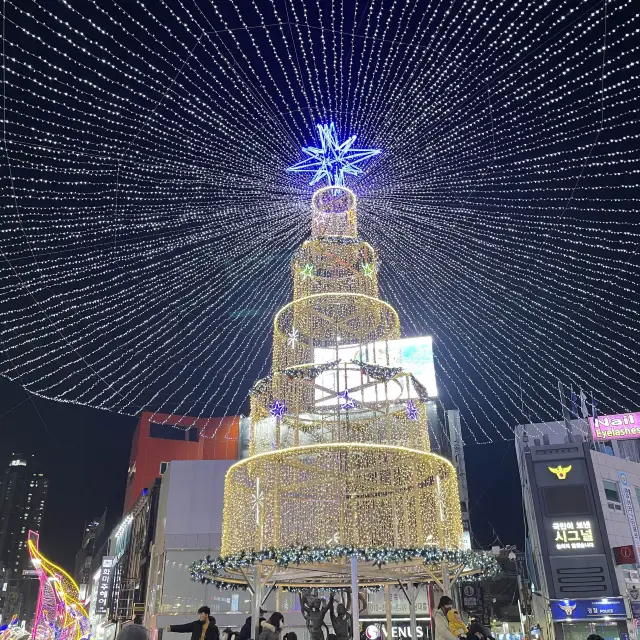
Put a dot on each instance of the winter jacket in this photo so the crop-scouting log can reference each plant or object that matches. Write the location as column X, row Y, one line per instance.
column 269, row 632
column 133, row 631
column 442, row 626
column 247, row 631
column 195, row 629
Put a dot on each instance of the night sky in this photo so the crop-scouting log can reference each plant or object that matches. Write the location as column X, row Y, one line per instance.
column 84, row 453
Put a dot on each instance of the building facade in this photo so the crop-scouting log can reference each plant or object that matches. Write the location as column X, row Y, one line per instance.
column 580, row 502
column 162, row 438
column 23, row 494
column 84, row 556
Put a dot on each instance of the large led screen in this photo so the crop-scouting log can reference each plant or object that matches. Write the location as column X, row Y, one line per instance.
column 414, row 355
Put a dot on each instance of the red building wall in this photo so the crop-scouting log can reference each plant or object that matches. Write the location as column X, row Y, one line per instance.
column 217, row 439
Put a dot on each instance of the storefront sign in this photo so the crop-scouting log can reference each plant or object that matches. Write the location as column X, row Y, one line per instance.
column 399, row 629
column 621, row 426
column 627, row 501
column 104, row 586
column 603, row 608
column 624, row 555
column 635, row 609
column 573, row 534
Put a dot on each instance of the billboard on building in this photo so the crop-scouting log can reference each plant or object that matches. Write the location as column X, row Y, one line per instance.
column 620, row 426
column 414, row 355
column 574, row 547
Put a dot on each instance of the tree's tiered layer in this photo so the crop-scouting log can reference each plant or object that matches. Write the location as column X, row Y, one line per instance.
column 353, row 495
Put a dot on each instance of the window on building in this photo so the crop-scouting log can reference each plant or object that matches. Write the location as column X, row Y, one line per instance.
column 170, row 432
column 163, row 467
column 613, row 495
column 629, row 449
column 638, row 494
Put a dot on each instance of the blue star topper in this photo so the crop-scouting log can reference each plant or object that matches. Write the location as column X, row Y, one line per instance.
column 348, row 401
column 332, row 160
column 412, row 411
column 278, row 409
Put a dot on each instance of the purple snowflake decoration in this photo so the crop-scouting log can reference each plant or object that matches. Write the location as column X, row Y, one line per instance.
column 278, row 409
column 412, row 411
column 348, row 402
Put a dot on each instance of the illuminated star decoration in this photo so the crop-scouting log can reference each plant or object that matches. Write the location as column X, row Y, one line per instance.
column 348, row 402
column 257, row 501
column 332, row 160
column 412, row 411
column 278, row 409
column 293, row 338
column 368, row 269
column 334, row 539
column 307, row 271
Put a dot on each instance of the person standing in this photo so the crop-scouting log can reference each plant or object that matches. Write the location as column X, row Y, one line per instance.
column 246, row 632
column 270, row 629
column 440, row 619
column 204, row 628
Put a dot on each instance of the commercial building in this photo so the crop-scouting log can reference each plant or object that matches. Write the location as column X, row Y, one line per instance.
column 162, row 438
column 583, row 545
column 119, row 567
column 84, row 556
column 23, row 494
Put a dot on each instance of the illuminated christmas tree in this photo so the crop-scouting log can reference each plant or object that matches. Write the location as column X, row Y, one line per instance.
column 340, row 465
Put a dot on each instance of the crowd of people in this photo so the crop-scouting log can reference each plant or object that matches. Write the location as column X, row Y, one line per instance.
column 205, row 628
column 448, row 626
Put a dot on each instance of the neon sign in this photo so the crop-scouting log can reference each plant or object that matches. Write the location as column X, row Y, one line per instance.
column 619, row 426
column 570, row 535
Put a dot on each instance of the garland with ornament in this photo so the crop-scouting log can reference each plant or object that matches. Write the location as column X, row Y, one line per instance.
column 208, row 570
column 261, row 386
column 421, row 390
column 309, row 372
column 341, row 240
column 377, row 371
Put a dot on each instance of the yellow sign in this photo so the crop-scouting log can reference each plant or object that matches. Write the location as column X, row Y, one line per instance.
column 560, row 472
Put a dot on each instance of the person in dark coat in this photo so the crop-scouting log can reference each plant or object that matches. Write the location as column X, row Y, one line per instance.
column 204, row 628
column 478, row 632
column 246, row 632
column 132, row 631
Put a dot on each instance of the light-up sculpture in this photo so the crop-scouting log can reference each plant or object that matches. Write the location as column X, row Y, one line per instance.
column 332, row 160
column 59, row 612
column 13, row 630
column 340, row 466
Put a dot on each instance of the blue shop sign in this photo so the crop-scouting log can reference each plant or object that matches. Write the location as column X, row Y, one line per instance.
column 565, row 610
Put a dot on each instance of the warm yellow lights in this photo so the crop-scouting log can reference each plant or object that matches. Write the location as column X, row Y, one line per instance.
column 304, row 425
column 344, row 463
column 334, row 213
column 348, row 494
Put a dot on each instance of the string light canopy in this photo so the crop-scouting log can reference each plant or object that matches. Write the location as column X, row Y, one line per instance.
column 149, row 219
